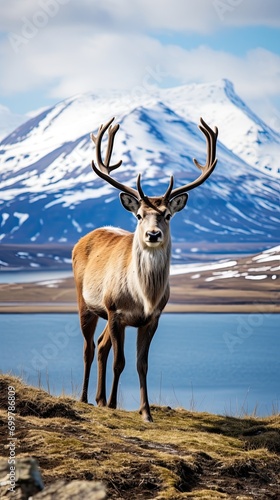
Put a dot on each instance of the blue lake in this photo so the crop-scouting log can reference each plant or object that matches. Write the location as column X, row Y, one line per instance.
column 221, row 363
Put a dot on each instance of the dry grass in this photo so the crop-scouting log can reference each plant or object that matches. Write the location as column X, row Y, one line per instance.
column 182, row 454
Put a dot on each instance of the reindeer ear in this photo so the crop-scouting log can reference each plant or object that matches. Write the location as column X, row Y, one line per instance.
column 178, row 203
column 129, row 202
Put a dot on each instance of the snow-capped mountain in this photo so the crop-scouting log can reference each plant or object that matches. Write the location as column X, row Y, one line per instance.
column 240, row 130
column 50, row 194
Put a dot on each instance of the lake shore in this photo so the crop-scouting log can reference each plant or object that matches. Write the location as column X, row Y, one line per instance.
column 247, row 285
column 187, row 296
column 170, row 308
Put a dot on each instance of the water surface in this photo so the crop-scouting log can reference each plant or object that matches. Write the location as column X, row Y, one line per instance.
column 221, row 363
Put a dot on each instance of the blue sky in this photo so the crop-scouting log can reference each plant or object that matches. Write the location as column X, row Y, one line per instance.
column 52, row 49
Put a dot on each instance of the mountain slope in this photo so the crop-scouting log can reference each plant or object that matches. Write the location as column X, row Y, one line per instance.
column 240, row 130
column 9, row 121
column 49, row 194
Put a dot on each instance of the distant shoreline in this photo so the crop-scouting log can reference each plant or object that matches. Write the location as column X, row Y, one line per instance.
column 247, row 286
column 170, row 309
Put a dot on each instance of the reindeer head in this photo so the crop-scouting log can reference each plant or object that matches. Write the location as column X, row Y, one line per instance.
column 153, row 213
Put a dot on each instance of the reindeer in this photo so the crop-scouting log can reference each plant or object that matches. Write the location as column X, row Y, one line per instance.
column 123, row 277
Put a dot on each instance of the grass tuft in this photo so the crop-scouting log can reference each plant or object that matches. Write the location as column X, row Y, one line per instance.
column 183, row 454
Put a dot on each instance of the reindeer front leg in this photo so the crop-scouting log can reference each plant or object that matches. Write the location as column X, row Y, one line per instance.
column 104, row 346
column 88, row 324
column 144, row 338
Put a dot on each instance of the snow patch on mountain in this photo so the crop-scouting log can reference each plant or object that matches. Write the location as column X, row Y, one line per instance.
column 49, row 193
column 9, row 121
column 240, row 130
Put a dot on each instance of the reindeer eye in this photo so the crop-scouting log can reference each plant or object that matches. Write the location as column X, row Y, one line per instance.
column 168, row 217
column 138, row 216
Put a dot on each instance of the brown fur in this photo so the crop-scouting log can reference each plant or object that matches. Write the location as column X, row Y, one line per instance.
column 124, row 278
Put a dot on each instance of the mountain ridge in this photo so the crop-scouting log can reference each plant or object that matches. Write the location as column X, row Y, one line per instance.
column 50, row 194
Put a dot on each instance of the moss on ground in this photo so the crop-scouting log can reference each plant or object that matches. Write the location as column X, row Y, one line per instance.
column 182, row 454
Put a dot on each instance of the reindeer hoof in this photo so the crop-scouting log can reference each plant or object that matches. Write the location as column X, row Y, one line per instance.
column 112, row 405
column 101, row 402
column 147, row 417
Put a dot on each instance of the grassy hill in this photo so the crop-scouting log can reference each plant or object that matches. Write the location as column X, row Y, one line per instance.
column 182, row 454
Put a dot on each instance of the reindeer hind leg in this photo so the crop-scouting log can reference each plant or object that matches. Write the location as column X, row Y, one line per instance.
column 88, row 322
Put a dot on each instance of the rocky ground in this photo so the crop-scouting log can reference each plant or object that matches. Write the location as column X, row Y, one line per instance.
column 182, row 454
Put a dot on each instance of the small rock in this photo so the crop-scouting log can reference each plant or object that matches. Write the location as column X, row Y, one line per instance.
column 20, row 480
column 76, row 490
column 23, row 481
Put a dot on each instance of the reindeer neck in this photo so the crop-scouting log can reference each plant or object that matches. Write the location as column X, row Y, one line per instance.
column 151, row 270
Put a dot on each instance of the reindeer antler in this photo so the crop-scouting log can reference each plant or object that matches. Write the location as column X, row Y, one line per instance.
column 105, row 169
column 211, row 160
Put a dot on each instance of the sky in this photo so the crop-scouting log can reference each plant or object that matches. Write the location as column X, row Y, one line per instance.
column 53, row 49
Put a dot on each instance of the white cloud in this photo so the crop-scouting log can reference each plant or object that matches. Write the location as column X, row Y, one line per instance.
column 202, row 16
column 256, row 74
column 248, row 12
column 71, row 46
column 72, row 61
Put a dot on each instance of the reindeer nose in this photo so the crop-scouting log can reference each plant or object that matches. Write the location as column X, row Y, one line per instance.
column 153, row 236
